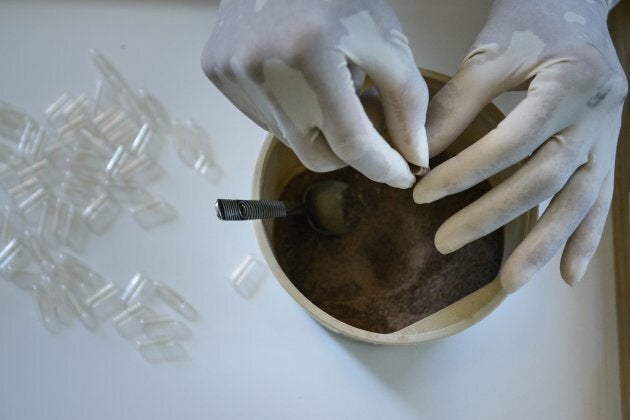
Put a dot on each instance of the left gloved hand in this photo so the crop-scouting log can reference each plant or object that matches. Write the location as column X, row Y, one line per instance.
column 565, row 133
column 295, row 68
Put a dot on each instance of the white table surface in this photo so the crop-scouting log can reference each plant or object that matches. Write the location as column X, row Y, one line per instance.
column 548, row 352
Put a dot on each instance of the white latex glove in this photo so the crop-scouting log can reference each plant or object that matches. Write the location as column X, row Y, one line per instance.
column 565, row 132
column 295, row 66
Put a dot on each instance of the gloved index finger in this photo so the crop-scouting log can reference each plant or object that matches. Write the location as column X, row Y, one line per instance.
column 401, row 88
column 351, row 135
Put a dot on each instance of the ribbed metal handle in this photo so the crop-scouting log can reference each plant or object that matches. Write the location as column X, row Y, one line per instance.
column 249, row 209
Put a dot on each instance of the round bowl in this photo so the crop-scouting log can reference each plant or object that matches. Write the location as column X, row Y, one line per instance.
column 277, row 164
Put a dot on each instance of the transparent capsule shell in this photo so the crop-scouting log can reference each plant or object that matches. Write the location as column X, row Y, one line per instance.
column 101, row 213
column 14, row 254
column 106, row 301
column 129, row 194
column 40, row 253
column 47, row 310
column 129, row 322
column 161, row 350
column 153, row 213
column 141, row 289
column 165, row 327
column 141, row 170
column 59, row 301
column 84, row 281
column 247, row 276
column 81, row 310
column 177, row 302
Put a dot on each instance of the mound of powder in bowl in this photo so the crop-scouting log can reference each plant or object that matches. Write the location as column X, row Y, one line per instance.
column 385, row 273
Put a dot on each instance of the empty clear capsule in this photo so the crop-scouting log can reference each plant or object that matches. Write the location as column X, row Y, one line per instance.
column 45, row 228
column 161, row 350
column 29, row 206
column 141, row 169
column 80, row 269
column 31, row 143
column 55, row 109
column 47, row 310
column 117, row 127
column 129, row 322
column 101, row 213
column 247, row 276
column 154, row 213
column 77, row 193
column 40, row 252
column 26, row 278
column 106, row 301
column 104, row 97
column 81, row 310
column 74, row 123
column 13, row 254
column 140, row 289
column 7, row 231
column 87, row 163
column 70, row 228
column 112, row 113
column 59, row 150
column 59, row 301
column 13, row 121
column 165, row 327
column 155, row 110
column 20, row 187
column 177, row 302
column 109, row 72
column 128, row 193
column 58, row 221
column 7, row 156
column 67, row 107
column 95, row 143
column 123, row 135
column 208, row 169
column 183, row 145
column 116, row 161
column 146, row 142
column 36, row 169
column 81, row 105
column 84, row 280
column 192, row 144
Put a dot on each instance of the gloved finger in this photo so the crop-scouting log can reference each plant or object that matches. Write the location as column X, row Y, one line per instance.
column 405, row 96
column 480, row 79
column 584, row 241
column 314, row 152
column 540, row 178
column 351, row 135
column 401, row 88
column 374, row 110
column 457, row 103
column 532, row 122
column 565, row 212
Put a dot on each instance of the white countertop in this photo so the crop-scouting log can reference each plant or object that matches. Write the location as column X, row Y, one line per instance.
column 548, row 352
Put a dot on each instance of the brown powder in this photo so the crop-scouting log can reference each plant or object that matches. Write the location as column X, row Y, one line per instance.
column 385, row 274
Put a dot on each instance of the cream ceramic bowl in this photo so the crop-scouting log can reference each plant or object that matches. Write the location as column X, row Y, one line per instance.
column 277, row 165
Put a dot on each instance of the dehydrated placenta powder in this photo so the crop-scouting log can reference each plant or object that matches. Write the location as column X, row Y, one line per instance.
column 385, row 273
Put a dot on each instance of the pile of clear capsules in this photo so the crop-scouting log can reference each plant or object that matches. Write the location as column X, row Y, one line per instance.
column 69, row 179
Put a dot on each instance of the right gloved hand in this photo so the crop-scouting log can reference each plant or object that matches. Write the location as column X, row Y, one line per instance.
column 564, row 132
column 295, row 67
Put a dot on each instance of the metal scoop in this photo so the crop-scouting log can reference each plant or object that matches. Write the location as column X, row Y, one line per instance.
column 322, row 203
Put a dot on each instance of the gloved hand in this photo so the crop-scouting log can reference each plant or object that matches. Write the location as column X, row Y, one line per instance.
column 565, row 132
column 295, row 67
